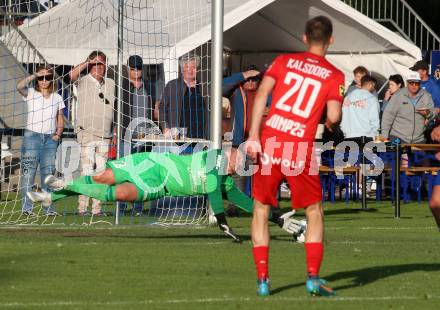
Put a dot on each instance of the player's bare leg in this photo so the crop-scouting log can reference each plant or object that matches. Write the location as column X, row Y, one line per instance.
column 106, row 177
column 315, row 250
column 434, row 204
column 126, row 192
column 260, row 240
column 315, row 221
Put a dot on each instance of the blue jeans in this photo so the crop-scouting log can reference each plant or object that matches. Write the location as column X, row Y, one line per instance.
column 37, row 150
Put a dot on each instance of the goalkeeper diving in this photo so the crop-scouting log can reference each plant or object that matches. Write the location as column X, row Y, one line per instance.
column 149, row 176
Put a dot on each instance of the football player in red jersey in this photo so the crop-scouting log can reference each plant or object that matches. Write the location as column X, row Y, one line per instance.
column 303, row 85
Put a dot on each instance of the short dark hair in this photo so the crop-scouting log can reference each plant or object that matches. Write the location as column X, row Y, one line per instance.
column 398, row 79
column 361, row 70
column 95, row 54
column 368, row 79
column 319, row 30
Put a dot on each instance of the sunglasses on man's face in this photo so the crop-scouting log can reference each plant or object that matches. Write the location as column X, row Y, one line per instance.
column 45, row 78
column 413, row 83
column 253, row 79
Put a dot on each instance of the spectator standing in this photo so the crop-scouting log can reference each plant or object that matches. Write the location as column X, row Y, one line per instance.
column 44, row 126
column 406, row 113
column 360, row 116
column 95, row 108
column 427, row 82
column 335, row 133
column 395, row 83
column 137, row 104
column 243, row 86
column 358, row 73
column 360, row 111
column 183, row 105
column 137, row 114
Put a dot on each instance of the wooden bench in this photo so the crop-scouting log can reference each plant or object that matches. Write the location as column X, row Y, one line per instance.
column 420, row 170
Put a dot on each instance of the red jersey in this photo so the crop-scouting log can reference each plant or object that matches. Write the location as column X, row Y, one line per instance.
column 304, row 84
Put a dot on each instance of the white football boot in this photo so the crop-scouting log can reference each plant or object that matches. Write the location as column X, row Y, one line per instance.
column 54, row 182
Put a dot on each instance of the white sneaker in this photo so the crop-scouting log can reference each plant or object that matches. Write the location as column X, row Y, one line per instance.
column 28, row 213
column 54, row 182
column 52, row 213
column 43, row 197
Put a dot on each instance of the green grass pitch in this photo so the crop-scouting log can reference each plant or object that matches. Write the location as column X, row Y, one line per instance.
column 373, row 260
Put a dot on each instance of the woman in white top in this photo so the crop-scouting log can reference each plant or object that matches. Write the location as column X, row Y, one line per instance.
column 43, row 131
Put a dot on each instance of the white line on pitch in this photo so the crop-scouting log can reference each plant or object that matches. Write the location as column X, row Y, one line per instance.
column 214, row 300
column 330, row 227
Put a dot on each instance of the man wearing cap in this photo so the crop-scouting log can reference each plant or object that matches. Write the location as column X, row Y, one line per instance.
column 137, row 113
column 407, row 112
column 137, row 107
column 427, row 82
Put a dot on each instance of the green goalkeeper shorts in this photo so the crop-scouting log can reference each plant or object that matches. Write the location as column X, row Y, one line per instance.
column 139, row 170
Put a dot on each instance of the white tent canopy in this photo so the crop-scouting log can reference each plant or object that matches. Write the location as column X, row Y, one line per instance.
column 163, row 30
column 278, row 27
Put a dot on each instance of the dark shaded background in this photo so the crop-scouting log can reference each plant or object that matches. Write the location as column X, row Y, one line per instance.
column 429, row 11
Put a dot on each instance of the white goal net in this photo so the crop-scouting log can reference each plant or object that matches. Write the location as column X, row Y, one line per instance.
column 125, row 76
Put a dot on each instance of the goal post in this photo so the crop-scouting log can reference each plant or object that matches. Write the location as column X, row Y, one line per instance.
column 216, row 73
column 161, row 33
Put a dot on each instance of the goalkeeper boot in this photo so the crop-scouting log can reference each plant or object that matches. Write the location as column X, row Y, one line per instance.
column 44, row 197
column 54, row 182
column 316, row 286
column 229, row 232
column 263, row 287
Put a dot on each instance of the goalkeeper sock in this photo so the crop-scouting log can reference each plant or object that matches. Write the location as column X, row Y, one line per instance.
column 86, row 179
column 101, row 192
column 57, row 195
column 221, row 219
column 73, row 188
column 261, row 259
column 314, row 254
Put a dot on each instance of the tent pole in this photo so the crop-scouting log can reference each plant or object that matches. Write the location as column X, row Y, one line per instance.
column 119, row 86
column 216, row 72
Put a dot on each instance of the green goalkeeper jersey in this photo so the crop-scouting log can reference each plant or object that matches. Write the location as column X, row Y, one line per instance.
column 166, row 174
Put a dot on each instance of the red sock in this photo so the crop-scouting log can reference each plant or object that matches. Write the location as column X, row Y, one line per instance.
column 261, row 259
column 314, row 253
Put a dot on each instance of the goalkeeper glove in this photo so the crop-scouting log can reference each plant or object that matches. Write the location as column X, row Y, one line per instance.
column 289, row 224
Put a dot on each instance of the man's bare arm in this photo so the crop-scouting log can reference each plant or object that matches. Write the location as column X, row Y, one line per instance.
column 435, row 134
column 334, row 111
column 23, row 84
column 75, row 73
column 263, row 93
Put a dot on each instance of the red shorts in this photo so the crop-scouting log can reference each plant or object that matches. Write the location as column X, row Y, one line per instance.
column 291, row 161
